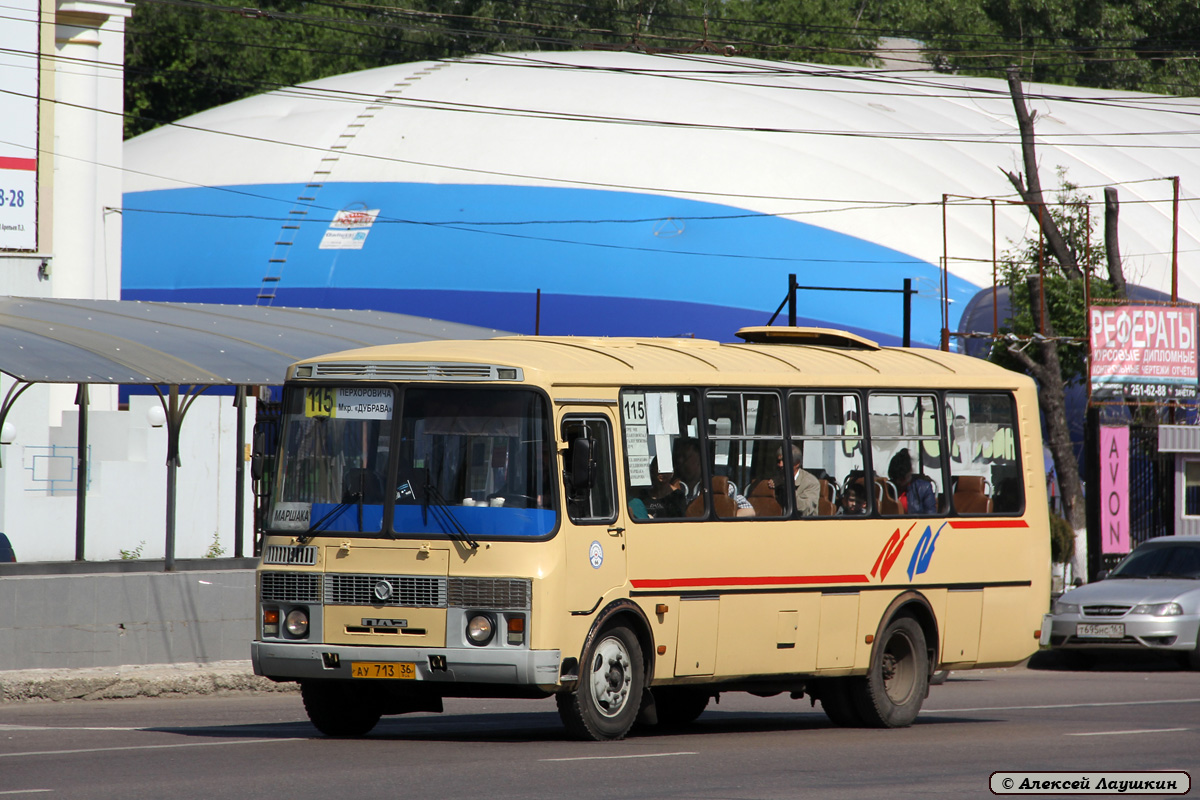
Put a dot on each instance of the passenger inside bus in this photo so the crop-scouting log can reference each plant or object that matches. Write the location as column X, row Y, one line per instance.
column 807, row 488
column 689, row 469
column 667, row 496
column 914, row 492
column 854, row 500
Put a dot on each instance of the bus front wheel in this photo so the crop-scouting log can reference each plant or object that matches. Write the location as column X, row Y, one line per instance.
column 607, row 698
column 890, row 695
column 340, row 708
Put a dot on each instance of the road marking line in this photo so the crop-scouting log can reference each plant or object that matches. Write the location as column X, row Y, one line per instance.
column 57, row 728
column 608, row 758
column 142, row 747
column 1059, row 705
column 26, row 791
column 1124, row 733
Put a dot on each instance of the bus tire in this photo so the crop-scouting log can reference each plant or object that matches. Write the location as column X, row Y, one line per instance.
column 890, row 695
column 608, row 696
column 679, row 705
column 340, row 708
column 837, row 701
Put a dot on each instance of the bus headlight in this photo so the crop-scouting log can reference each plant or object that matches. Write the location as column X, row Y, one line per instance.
column 297, row 623
column 480, row 629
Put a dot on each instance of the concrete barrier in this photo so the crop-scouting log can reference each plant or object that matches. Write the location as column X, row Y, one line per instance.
column 108, row 614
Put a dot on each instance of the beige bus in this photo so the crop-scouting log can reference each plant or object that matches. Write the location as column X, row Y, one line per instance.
column 637, row 525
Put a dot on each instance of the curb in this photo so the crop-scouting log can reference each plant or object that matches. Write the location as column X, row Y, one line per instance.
column 151, row 680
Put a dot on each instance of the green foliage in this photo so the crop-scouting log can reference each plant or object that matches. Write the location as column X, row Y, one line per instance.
column 185, row 58
column 1062, row 540
column 1144, row 45
column 1066, row 310
column 215, row 550
column 134, row 554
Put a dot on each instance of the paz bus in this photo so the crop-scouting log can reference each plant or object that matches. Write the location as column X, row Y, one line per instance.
column 634, row 526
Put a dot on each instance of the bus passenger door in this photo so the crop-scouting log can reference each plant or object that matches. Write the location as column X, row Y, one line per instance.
column 594, row 528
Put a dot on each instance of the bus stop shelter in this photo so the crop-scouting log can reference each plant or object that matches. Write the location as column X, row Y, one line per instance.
column 181, row 350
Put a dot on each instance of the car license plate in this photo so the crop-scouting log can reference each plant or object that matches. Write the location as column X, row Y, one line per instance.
column 1111, row 630
column 383, row 669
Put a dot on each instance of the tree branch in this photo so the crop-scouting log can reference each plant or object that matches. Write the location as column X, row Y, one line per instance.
column 1032, row 193
column 1112, row 250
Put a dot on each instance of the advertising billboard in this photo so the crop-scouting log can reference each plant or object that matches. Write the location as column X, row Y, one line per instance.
column 1142, row 353
column 19, row 64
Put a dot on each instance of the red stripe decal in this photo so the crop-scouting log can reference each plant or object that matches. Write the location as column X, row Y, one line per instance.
column 18, row 163
column 793, row 580
column 988, row 523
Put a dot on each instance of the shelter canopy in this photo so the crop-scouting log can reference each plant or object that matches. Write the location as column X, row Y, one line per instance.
column 133, row 342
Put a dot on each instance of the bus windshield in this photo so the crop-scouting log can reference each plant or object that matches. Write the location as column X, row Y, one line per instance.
column 463, row 462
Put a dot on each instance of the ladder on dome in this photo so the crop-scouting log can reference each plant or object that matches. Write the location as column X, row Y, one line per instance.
column 290, row 230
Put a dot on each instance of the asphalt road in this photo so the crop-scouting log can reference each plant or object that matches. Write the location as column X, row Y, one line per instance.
column 1144, row 716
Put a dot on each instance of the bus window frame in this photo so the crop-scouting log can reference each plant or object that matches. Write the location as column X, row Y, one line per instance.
column 944, row 509
column 775, row 440
column 1018, row 457
column 594, row 417
column 400, row 393
column 864, row 444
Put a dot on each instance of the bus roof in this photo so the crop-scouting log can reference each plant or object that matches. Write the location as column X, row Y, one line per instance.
column 600, row 361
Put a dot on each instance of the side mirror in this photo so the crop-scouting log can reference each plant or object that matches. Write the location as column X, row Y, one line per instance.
column 258, row 457
column 583, row 466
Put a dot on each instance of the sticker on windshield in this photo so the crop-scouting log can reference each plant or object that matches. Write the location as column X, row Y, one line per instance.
column 291, row 516
column 344, row 402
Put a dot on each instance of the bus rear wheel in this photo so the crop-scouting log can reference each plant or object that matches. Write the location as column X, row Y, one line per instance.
column 606, row 700
column 340, row 708
column 890, row 695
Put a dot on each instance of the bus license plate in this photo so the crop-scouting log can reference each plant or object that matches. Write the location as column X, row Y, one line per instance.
column 383, row 669
column 1112, row 630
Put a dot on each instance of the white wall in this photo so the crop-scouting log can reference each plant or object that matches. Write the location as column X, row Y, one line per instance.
column 126, row 501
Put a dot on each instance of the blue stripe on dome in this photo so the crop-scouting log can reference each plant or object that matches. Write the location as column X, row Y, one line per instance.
column 616, row 263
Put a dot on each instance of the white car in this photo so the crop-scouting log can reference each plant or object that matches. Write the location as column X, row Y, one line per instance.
column 1150, row 601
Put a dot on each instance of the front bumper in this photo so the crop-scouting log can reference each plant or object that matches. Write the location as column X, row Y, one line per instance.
column 1140, row 632
column 305, row 660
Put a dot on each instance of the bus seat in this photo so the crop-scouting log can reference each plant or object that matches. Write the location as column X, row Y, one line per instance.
column 722, row 503
column 762, row 497
column 970, row 495
column 885, row 496
column 825, row 505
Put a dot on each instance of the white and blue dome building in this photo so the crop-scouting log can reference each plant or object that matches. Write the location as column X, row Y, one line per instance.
column 641, row 194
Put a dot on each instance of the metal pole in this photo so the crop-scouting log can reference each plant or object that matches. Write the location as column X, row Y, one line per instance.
column 239, row 472
column 995, row 284
column 792, row 299
column 907, row 312
column 172, row 465
column 537, row 316
column 1175, row 243
column 945, row 343
column 81, row 460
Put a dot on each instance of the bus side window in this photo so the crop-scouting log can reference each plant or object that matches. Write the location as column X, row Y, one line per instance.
column 593, row 504
column 906, row 453
column 985, row 469
column 745, row 436
column 827, row 445
column 662, row 454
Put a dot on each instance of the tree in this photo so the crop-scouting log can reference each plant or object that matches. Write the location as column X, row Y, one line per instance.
column 1047, row 296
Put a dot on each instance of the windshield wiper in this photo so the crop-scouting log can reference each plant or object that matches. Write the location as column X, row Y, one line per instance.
column 329, row 517
column 455, row 528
